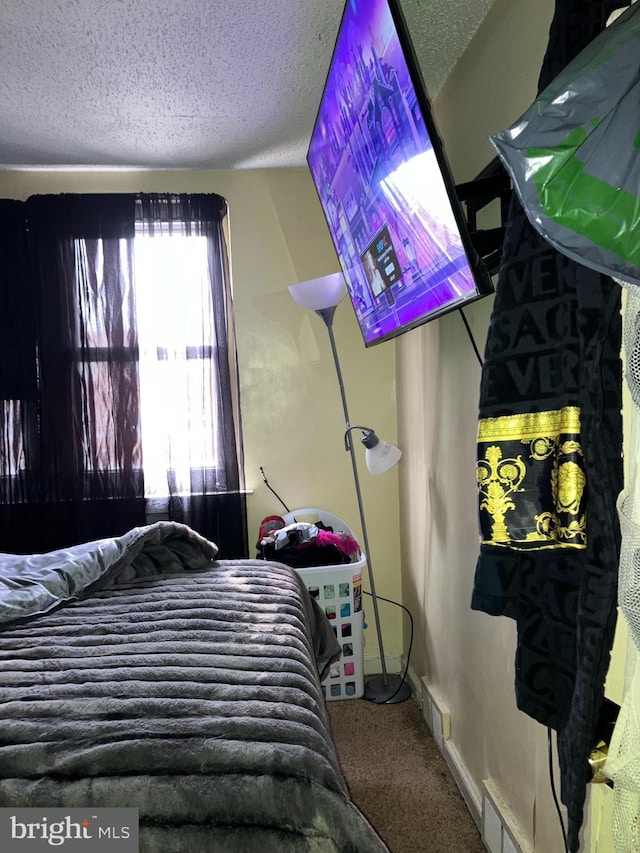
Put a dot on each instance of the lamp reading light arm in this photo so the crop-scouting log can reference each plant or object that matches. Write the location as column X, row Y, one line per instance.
column 365, row 542
column 369, row 439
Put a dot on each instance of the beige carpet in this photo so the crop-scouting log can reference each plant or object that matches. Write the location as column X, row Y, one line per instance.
column 399, row 780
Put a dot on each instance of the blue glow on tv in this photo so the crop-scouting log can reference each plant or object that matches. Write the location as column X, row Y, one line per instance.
column 384, row 183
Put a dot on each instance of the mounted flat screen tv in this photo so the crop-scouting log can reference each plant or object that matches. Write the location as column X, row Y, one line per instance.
column 384, row 183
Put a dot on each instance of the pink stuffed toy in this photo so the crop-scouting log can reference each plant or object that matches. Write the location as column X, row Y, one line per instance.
column 346, row 544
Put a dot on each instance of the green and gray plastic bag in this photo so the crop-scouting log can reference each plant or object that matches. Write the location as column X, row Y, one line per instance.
column 574, row 155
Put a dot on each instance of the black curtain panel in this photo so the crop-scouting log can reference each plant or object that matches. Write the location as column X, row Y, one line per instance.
column 18, row 366
column 209, row 490
column 550, row 465
column 17, row 320
column 73, row 444
column 77, row 452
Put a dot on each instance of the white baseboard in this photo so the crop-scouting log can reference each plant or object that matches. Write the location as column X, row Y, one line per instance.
column 500, row 832
column 465, row 783
column 438, row 720
column 498, row 829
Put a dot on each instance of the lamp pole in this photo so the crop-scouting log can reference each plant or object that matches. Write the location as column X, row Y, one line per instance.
column 387, row 688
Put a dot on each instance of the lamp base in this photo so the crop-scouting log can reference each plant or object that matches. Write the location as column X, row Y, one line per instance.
column 388, row 692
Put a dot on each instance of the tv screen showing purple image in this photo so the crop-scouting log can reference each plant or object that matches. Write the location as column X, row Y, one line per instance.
column 384, row 184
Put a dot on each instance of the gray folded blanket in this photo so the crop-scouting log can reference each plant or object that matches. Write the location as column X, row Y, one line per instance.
column 142, row 672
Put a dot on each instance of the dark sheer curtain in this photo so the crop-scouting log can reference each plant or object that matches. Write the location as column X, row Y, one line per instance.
column 18, row 372
column 208, row 494
column 73, row 470
column 71, row 448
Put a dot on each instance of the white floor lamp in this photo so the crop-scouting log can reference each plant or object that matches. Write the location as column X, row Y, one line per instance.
column 322, row 295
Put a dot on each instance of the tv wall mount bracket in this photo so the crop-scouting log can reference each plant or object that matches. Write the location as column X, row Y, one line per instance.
column 490, row 184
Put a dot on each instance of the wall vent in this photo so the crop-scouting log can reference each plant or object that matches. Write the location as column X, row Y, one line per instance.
column 499, row 831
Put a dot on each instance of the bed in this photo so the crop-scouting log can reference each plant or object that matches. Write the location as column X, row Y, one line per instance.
column 141, row 671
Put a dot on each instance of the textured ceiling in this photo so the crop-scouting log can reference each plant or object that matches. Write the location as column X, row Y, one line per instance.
column 219, row 84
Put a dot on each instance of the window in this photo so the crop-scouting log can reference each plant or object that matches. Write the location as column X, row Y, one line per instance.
column 178, row 394
column 175, row 353
column 122, row 400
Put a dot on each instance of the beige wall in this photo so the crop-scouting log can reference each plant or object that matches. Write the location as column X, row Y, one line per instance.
column 469, row 656
column 292, row 416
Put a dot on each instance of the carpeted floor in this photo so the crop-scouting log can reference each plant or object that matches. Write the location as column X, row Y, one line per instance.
column 399, row 780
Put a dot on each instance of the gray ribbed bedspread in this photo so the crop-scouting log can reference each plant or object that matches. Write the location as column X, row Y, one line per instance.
column 191, row 694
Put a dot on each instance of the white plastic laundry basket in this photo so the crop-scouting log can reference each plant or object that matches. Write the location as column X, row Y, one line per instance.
column 338, row 590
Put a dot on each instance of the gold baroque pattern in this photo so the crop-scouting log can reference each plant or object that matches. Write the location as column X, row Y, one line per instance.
column 532, row 481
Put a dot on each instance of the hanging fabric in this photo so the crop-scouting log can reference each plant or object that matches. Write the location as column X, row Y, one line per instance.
column 623, row 761
column 549, row 465
column 73, row 457
column 194, row 360
column 74, row 467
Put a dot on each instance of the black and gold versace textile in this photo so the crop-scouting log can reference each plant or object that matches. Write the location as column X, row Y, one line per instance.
column 550, row 467
column 531, row 480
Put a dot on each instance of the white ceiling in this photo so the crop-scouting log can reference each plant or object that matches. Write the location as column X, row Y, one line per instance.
column 221, row 84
